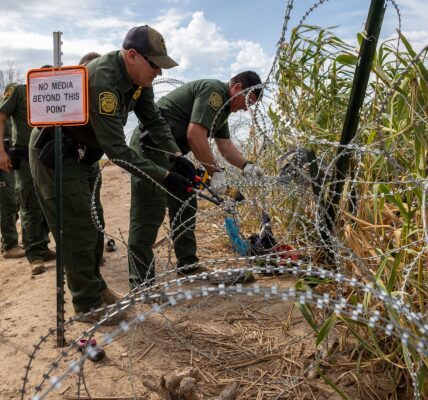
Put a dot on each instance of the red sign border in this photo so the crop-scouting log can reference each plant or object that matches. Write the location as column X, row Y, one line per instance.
column 85, row 97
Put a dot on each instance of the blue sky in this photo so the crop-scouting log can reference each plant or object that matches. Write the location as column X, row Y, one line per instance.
column 209, row 38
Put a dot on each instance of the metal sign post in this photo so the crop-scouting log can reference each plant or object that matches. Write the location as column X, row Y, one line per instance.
column 58, row 97
column 60, row 337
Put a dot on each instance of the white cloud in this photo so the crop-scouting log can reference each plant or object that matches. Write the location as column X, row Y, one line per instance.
column 169, row 22
column 25, row 39
column 76, row 48
column 106, row 23
column 196, row 43
column 414, row 13
column 418, row 39
column 200, row 43
column 38, row 46
column 251, row 56
column 24, row 10
column 200, row 46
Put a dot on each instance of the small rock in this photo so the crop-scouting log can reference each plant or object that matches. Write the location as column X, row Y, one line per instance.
column 313, row 372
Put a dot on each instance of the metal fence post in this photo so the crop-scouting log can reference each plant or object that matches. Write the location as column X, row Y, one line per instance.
column 358, row 92
column 60, row 339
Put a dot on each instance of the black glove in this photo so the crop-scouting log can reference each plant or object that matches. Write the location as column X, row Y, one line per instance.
column 176, row 183
column 185, row 167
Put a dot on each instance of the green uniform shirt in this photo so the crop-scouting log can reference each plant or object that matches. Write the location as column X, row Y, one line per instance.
column 197, row 102
column 112, row 96
column 14, row 104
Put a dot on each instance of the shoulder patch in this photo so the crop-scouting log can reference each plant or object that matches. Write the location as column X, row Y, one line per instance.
column 9, row 92
column 216, row 101
column 137, row 93
column 107, row 103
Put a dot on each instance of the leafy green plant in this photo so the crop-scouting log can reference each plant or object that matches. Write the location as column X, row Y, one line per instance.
column 385, row 229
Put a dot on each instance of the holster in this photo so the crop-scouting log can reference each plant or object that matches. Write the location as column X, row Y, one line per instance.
column 91, row 156
column 6, row 145
column 15, row 158
column 13, row 154
column 45, row 143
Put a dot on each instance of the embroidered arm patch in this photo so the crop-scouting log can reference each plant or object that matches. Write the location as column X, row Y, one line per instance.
column 216, row 101
column 107, row 103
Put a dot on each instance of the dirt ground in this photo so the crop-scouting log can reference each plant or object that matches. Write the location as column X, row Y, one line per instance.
column 264, row 345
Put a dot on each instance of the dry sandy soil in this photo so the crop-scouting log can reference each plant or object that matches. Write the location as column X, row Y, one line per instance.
column 264, row 345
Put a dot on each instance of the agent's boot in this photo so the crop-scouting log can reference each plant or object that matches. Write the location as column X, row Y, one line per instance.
column 37, row 267
column 14, row 252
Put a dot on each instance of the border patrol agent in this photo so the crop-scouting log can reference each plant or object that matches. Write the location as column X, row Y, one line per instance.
column 34, row 228
column 9, row 209
column 119, row 82
column 192, row 110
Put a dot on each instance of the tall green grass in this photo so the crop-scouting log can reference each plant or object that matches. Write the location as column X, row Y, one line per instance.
column 316, row 70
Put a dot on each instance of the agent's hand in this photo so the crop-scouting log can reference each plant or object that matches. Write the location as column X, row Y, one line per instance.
column 218, row 183
column 252, row 171
column 185, row 167
column 177, row 183
column 5, row 163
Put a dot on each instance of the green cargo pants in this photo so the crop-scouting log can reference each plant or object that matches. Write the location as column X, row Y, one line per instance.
column 35, row 231
column 8, row 210
column 148, row 206
column 79, row 236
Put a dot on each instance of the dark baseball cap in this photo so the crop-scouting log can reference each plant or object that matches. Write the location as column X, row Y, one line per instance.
column 149, row 43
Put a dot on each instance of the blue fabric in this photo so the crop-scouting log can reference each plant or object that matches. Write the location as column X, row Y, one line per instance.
column 240, row 245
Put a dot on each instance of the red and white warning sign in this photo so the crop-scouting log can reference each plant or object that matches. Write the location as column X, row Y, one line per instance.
column 57, row 96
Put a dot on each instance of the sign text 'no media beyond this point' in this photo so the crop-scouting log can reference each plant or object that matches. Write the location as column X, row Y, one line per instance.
column 57, row 97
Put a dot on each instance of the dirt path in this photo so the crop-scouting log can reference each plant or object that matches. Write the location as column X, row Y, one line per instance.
column 27, row 303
